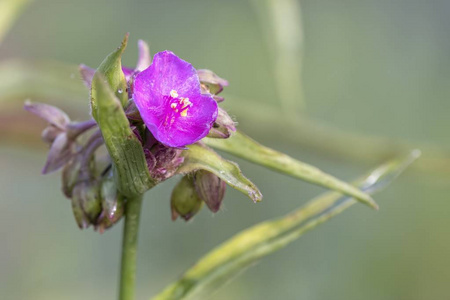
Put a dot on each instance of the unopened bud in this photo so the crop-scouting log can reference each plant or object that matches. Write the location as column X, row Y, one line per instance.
column 223, row 127
column 210, row 82
column 132, row 112
column 50, row 133
column 210, row 189
column 70, row 175
column 185, row 201
column 86, row 195
column 113, row 205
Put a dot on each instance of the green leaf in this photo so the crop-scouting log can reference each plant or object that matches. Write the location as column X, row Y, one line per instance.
column 130, row 167
column 242, row 146
column 199, row 157
column 111, row 69
column 249, row 246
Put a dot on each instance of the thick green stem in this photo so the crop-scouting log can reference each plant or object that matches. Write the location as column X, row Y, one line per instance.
column 129, row 248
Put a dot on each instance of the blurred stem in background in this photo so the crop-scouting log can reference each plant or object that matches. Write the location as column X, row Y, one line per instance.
column 249, row 246
column 282, row 24
column 10, row 10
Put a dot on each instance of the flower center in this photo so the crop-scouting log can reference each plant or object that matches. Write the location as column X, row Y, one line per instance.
column 179, row 105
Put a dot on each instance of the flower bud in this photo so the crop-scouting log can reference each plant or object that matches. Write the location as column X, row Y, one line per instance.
column 70, row 176
column 86, row 203
column 210, row 82
column 113, row 205
column 223, row 127
column 166, row 161
column 210, row 189
column 185, row 201
column 132, row 112
column 50, row 133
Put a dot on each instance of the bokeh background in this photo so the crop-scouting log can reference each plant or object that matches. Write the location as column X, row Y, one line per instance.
column 370, row 69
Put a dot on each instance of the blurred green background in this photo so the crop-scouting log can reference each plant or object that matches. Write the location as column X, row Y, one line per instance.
column 372, row 68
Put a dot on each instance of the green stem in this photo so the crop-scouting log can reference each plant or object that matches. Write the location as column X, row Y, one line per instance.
column 129, row 248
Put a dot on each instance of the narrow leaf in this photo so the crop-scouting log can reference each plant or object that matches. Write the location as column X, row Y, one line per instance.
column 242, row 146
column 111, row 69
column 130, row 167
column 198, row 157
column 247, row 247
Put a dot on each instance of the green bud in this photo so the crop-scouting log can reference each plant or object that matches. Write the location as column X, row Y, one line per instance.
column 86, row 195
column 70, row 175
column 210, row 189
column 185, row 201
column 80, row 217
column 113, row 205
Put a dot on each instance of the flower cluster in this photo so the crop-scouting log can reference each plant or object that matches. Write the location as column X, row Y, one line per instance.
column 171, row 106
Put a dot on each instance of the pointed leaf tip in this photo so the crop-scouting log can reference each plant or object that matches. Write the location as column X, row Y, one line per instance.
column 243, row 146
column 130, row 166
column 199, row 157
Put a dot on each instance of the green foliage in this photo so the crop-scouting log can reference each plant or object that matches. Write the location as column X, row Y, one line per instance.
column 202, row 158
column 244, row 249
column 130, row 167
column 241, row 145
column 111, row 69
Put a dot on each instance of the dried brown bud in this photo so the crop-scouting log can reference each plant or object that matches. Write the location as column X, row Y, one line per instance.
column 210, row 189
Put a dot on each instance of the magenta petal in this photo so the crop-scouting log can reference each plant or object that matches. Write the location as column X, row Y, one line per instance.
column 168, row 97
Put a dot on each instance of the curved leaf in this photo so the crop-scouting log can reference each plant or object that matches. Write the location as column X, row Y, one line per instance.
column 247, row 247
column 198, row 157
column 111, row 69
column 130, row 167
column 243, row 146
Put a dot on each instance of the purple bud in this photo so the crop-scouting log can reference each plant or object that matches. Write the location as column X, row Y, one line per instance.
column 210, row 189
column 223, row 127
column 61, row 152
column 87, row 73
column 185, row 201
column 211, row 83
column 50, row 133
column 51, row 114
column 144, row 59
column 132, row 112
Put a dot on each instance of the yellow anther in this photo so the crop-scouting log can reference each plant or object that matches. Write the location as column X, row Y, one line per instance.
column 185, row 102
column 184, row 113
column 173, row 105
column 173, row 94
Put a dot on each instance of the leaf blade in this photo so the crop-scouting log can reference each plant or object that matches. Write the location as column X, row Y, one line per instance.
column 130, row 167
column 247, row 247
column 198, row 157
column 111, row 69
column 243, row 146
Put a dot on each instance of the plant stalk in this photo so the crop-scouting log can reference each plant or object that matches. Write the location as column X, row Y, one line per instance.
column 129, row 248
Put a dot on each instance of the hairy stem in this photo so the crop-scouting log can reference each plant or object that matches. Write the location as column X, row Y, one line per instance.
column 129, row 248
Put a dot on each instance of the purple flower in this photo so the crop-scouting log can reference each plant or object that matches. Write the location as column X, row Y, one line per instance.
column 169, row 99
